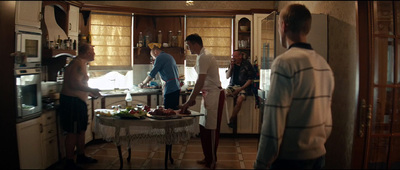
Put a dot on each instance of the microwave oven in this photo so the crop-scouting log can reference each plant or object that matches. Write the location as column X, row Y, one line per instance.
column 30, row 44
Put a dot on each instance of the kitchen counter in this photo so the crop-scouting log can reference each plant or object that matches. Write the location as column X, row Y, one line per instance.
column 134, row 92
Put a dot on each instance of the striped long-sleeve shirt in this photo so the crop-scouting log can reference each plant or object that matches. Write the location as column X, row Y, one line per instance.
column 298, row 118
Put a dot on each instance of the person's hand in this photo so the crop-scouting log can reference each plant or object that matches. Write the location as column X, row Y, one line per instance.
column 95, row 93
column 140, row 85
column 186, row 105
column 232, row 62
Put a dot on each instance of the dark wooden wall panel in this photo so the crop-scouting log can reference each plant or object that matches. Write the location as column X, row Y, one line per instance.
column 8, row 147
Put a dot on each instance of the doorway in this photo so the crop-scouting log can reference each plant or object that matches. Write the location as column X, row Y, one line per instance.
column 377, row 128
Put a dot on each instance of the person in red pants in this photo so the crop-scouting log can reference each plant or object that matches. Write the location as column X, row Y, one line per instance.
column 209, row 84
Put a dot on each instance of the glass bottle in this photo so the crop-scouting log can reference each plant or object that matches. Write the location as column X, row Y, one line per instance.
column 59, row 42
column 170, row 38
column 140, row 42
column 180, row 44
column 147, row 40
column 74, row 45
column 159, row 37
column 89, row 38
column 128, row 100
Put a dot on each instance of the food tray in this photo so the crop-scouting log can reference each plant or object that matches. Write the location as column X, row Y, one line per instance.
column 128, row 116
column 193, row 113
column 160, row 117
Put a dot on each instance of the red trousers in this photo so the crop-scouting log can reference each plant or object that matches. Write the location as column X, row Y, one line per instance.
column 210, row 137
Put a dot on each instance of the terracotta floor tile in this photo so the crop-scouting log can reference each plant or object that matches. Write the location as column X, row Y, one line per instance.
column 138, row 154
column 161, row 155
column 193, row 156
column 227, row 149
column 248, row 144
column 190, row 164
column 194, row 148
column 159, row 164
column 103, row 151
column 249, row 156
column 234, row 164
column 248, row 149
column 105, row 159
column 249, row 164
column 247, row 139
column 227, row 156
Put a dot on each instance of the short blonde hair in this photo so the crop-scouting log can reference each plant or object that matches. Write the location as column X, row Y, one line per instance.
column 297, row 18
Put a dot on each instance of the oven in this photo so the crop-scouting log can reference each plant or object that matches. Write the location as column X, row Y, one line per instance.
column 28, row 90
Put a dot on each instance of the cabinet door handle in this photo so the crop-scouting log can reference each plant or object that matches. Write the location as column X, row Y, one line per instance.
column 48, row 118
column 70, row 26
column 50, row 141
column 50, row 131
column 41, row 128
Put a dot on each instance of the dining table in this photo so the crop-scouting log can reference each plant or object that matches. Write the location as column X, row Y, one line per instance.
column 147, row 129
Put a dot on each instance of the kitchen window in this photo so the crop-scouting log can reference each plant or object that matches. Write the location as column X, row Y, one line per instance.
column 111, row 34
column 217, row 35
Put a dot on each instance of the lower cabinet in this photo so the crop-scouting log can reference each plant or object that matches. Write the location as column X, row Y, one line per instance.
column 49, row 138
column 50, row 150
column 30, row 144
column 37, row 141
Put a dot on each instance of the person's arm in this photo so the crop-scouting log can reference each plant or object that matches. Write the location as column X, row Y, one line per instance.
column 158, row 63
column 274, row 120
column 145, row 81
column 229, row 71
column 196, row 91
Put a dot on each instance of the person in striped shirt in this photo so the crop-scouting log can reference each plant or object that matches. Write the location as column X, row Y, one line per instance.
column 297, row 121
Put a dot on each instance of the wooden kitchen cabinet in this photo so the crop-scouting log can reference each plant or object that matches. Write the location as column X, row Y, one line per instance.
column 149, row 26
column 49, row 138
column 30, row 144
column 243, row 37
column 28, row 13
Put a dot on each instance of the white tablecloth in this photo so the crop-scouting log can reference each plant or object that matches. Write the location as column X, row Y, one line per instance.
column 128, row 131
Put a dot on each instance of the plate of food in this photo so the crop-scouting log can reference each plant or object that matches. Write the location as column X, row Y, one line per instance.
column 188, row 113
column 131, row 114
column 163, row 114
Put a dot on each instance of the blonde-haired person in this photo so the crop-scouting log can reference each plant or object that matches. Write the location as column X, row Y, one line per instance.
column 298, row 118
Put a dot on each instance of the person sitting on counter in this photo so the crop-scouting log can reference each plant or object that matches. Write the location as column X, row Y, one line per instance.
column 165, row 64
column 242, row 75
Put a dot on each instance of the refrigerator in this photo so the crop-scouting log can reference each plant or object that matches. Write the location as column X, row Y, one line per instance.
column 271, row 48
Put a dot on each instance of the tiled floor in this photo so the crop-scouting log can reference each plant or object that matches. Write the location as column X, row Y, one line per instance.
column 233, row 153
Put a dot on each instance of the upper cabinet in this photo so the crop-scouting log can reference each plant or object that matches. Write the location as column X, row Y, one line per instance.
column 73, row 18
column 243, row 34
column 153, row 28
column 28, row 15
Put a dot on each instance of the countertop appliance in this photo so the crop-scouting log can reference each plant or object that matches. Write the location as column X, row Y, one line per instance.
column 31, row 44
